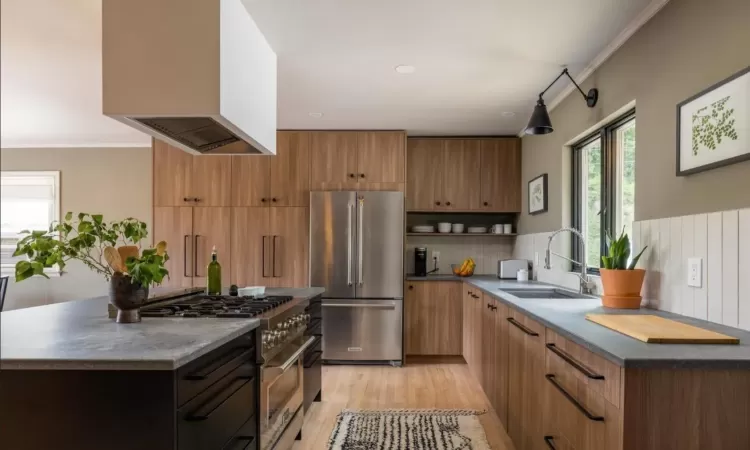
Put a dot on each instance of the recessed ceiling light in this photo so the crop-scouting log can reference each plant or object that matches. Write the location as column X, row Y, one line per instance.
column 508, row 114
column 405, row 69
column 315, row 115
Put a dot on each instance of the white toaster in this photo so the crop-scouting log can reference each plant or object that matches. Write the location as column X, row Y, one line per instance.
column 508, row 268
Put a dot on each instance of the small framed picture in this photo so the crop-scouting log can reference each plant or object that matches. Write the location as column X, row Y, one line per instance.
column 713, row 126
column 538, row 195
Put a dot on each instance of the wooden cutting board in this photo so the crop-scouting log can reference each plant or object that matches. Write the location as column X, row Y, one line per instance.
column 654, row 329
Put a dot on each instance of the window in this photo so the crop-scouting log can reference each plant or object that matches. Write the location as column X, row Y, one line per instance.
column 604, row 187
column 28, row 201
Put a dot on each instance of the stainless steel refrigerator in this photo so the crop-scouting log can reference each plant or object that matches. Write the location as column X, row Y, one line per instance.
column 357, row 254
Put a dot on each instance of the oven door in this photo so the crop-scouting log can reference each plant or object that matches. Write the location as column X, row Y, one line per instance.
column 282, row 392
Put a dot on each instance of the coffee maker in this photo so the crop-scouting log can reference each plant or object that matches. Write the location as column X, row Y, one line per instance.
column 420, row 261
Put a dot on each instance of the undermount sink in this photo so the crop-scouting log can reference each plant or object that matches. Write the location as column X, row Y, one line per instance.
column 545, row 293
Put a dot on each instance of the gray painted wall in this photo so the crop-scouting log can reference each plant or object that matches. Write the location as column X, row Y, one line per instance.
column 688, row 46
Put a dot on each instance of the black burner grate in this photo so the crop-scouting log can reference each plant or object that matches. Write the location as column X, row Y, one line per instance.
column 216, row 306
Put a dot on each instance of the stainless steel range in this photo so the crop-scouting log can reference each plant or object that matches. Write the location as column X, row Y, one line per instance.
column 283, row 325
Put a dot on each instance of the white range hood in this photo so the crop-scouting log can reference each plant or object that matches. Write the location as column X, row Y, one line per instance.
column 197, row 74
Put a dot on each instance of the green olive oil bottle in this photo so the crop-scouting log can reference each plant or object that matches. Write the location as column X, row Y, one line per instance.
column 214, row 275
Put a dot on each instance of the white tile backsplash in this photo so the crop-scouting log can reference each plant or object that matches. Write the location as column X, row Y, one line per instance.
column 486, row 251
column 721, row 240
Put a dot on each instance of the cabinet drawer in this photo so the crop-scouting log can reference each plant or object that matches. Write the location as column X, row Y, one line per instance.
column 197, row 376
column 246, row 438
column 595, row 372
column 577, row 415
column 210, row 419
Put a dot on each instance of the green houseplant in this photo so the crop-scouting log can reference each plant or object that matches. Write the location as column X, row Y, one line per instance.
column 621, row 281
column 87, row 238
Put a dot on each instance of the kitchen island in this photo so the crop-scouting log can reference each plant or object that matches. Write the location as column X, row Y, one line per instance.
column 71, row 378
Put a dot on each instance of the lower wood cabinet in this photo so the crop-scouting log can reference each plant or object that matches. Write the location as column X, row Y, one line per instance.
column 433, row 318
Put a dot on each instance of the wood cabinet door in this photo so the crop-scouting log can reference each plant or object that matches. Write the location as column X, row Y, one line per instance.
column 381, row 157
column 212, row 180
column 466, row 311
column 251, row 246
column 516, row 375
column 251, row 180
column 211, row 228
column 290, row 236
column 501, row 175
column 433, row 318
column 174, row 225
column 460, row 183
column 500, row 397
column 477, row 331
column 333, row 157
column 533, row 385
column 290, row 169
column 488, row 346
column 424, row 171
column 173, row 172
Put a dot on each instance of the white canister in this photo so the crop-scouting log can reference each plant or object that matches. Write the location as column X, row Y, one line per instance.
column 507, row 228
column 522, row 275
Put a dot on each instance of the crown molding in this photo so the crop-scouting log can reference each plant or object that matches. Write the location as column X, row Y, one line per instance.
column 648, row 12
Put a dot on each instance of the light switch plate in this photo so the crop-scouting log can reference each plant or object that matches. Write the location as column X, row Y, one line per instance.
column 695, row 272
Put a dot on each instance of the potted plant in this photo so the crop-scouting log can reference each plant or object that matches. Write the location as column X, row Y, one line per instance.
column 111, row 249
column 621, row 281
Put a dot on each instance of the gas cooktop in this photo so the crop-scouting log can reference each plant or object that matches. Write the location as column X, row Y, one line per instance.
column 216, row 306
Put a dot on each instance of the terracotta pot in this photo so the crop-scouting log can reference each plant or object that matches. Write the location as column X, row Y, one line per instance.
column 127, row 297
column 622, row 288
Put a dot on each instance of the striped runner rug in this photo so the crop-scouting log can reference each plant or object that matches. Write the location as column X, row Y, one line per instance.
column 413, row 429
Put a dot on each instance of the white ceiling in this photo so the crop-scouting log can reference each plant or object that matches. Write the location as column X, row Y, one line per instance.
column 474, row 60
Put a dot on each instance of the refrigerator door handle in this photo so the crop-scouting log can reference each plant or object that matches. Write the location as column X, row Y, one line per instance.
column 349, row 208
column 360, row 232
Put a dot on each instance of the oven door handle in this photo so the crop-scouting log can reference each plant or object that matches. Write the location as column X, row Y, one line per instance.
column 295, row 356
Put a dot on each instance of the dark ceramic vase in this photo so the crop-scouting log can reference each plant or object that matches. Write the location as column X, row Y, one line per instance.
column 127, row 297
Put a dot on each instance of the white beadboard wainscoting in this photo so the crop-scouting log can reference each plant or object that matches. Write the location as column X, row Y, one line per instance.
column 720, row 239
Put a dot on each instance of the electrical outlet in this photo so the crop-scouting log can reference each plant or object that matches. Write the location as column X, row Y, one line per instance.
column 436, row 257
column 695, row 272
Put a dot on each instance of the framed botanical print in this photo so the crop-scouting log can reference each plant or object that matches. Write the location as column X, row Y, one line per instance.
column 538, row 195
column 713, row 126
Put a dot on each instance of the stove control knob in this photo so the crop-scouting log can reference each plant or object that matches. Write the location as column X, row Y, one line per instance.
column 282, row 335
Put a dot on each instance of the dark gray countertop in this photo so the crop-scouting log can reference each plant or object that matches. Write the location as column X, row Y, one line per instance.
column 568, row 318
column 78, row 335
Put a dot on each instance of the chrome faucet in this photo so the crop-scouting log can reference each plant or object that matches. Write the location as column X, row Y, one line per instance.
column 586, row 286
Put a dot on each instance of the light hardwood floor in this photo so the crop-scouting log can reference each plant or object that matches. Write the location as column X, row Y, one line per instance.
column 445, row 384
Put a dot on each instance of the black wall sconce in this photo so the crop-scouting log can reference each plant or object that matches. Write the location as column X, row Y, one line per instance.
column 540, row 123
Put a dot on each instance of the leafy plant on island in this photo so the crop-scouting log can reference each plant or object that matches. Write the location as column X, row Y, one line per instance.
column 87, row 239
column 618, row 253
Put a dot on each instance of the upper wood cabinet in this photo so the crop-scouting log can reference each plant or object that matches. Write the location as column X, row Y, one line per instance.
column 279, row 180
column 381, row 156
column 333, row 157
column 182, row 179
column 366, row 160
column 464, row 175
column 424, row 162
column 459, row 184
column 501, row 175
column 433, row 323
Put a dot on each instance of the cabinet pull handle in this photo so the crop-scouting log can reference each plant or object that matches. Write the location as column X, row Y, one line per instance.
column 361, row 175
column 263, row 256
column 437, row 203
column 351, row 175
column 185, row 199
column 448, row 203
column 216, row 364
column 241, row 443
column 184, row 256
column 489, row 306
column 273, row 249
column 550, row 441
column 200, row 415
column 521, row 327
column 195, row 254
column 263, row 200
column 475, row 296
column 274, row 199
column 411, row 287
column 486, row 204
column 576, row 365
column 551, row 378
column 469, row 292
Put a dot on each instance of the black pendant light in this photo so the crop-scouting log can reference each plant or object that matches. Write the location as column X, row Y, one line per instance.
column 540, row 122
